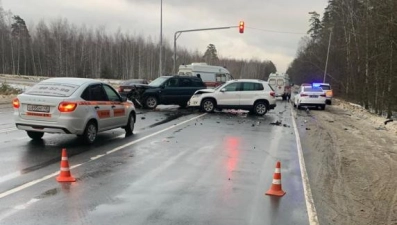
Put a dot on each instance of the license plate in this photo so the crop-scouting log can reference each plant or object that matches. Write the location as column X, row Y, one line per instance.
column 313, row 96
column 39, row 108
column 127, row 89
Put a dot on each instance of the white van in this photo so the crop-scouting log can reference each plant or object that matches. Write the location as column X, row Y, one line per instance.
column 212, row 76
column 280, row 85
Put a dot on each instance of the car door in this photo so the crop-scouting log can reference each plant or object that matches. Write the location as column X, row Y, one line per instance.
column 187, row 89
column 250, row 91
column 98, row 104
column 169, row 94
column 117, row 113
column 229, row 95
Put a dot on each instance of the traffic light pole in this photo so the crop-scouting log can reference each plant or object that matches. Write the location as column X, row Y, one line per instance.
column 178, row 33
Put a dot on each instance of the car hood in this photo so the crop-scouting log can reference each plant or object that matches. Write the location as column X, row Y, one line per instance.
column 203, row 91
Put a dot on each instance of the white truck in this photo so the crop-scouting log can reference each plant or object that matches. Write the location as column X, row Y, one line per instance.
column 212, row 76
column 280, row 84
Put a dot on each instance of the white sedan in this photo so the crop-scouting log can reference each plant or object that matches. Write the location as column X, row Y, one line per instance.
column 310, row 96
column 72, row 106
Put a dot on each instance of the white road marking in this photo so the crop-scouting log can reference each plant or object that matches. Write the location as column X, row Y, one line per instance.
column 31, row 183
column 311, row 209
column 9, row 176
column 18, row 208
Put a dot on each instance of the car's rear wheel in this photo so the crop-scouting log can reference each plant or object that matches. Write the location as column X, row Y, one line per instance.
column 129, row 129
column 151, row 102
column 260, row 108
column 90, row 132
column 35, row 135
column 208, row 105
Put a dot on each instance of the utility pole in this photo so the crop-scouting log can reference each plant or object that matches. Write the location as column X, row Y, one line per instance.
column 161, row 39
column 326, row 61
column 178, row 33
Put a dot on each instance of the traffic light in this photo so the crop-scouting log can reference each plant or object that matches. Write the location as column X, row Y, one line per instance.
column 241, row 27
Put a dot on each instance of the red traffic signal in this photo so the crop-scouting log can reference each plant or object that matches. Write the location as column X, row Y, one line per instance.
column 241, row 27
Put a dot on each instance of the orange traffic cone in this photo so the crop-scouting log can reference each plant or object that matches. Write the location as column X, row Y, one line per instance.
column 276, row 189
column 64, row 174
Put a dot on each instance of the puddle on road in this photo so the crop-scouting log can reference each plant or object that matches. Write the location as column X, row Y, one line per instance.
column 49, row 193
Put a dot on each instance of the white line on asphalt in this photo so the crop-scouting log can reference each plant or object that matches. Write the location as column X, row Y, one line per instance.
column 9, row 176
column 18, row 208
column 311, row 209
column 31, row 183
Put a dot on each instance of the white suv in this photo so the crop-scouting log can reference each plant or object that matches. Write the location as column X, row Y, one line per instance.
column 257, row 96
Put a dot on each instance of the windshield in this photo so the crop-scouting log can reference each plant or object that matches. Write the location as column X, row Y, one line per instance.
column 157, row 82
column 313, row 89
column 52, row 89
column 220, row 86
column 325, row 87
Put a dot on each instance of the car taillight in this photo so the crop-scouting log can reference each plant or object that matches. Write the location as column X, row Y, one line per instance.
column 272, row 94
column 16, row 103
column 304, row 95
column 323, row 95
column 67, row 106
column 120, row 89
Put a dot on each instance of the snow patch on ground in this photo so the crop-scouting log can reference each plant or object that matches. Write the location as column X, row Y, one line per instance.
column 361, row 113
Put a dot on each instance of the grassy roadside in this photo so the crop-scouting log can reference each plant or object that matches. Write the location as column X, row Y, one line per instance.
column 7, row 93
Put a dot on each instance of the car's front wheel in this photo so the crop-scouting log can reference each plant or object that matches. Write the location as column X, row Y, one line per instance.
column 90, row 132
column 129, row 129
column 35, row 135
column 208, row 105
column 260, row 108
column 151, row 102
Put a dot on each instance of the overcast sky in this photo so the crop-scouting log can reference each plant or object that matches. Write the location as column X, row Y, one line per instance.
column 143, row 17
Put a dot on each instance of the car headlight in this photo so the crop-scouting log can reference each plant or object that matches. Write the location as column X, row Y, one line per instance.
column 196, row 95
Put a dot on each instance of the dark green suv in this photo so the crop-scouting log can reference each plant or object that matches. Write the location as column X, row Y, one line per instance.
column 169, row 90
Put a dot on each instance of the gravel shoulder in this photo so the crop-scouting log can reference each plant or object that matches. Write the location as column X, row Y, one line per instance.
column 351, row 158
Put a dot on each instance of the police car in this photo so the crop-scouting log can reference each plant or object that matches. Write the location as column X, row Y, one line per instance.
column 77, row 106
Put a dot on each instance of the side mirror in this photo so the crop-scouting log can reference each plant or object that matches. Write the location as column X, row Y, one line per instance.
column 223, row 89
column 162, row 86
column 123, row 99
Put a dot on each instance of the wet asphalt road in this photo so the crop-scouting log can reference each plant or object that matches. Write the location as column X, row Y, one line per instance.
column 180, row 167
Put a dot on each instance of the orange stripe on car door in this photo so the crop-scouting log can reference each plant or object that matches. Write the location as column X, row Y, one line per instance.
column 119, row 112
column 103, row 113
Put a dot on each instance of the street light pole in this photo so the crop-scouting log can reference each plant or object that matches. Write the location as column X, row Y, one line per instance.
column 326, row 62
column 161, row 39
column 178, row 33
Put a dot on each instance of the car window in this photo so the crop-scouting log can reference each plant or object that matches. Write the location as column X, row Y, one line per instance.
column 249, row 86
column 280, row 82
column 272, row 81
column 94, row 93
column 52, row 89
column 220, row 77
column 231, row 87
column 185, row 82
column 172, row 82
column 325, row 87
column 313, row 89
column 112, row 95
column 196, row 82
